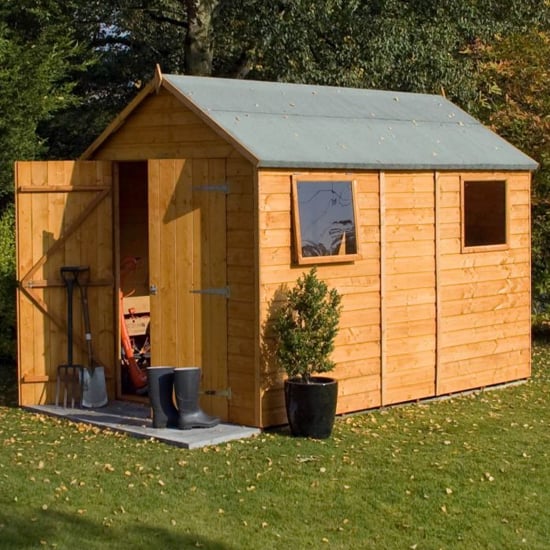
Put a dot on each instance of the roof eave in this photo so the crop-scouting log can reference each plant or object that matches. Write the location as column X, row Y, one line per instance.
column 267, row 164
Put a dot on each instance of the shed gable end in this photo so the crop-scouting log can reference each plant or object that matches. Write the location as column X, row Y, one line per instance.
column 162, row 127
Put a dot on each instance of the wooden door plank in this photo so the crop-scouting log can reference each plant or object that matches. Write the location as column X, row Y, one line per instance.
column 24, row 263
column 217, row 323
column 184, row 264
column 40, row 243
column 154, row 258
column 167, row 287
column 56, row 300
column 200, row 263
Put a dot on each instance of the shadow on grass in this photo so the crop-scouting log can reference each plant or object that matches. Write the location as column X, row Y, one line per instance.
column 8, row 383
column 62, row 530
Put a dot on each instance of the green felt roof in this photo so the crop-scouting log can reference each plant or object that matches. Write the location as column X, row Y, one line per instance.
column 296, row 125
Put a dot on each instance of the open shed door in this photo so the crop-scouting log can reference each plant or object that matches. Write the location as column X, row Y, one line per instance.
column 187, row 266
column 64, row 217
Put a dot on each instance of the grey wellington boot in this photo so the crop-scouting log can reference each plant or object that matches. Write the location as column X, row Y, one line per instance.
column 161, row 386
column 186, row 382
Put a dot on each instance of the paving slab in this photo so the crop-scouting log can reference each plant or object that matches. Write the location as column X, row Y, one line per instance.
column 134, row 419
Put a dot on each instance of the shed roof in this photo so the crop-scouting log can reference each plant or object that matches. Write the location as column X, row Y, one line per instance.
column 296, row 125
column 304, row 126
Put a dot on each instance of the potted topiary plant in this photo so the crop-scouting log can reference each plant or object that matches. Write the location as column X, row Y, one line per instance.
column 305, row 327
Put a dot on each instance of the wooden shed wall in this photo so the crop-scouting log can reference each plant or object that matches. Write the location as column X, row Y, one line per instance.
column 420, row 316
column 161, row 127
column 408, row 294
column 484, row 297
column 242, row 322
column 411, row 301
column 357, row 352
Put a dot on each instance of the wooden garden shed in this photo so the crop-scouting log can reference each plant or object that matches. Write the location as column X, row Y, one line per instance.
column 228, row 190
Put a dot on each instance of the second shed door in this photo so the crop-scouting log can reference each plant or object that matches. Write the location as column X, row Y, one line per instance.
column 187, row 266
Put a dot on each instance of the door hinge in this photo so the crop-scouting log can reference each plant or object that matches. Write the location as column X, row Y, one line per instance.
column 218, row 393
column 223, row 188
column 222, row 291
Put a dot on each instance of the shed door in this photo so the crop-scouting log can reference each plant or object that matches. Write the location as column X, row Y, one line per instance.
column 187, row 265
column 64, row 217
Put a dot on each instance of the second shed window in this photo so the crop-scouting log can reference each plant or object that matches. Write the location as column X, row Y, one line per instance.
column 484, row 213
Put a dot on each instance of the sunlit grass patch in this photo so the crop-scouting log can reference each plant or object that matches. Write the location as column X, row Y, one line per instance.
column 467, row 472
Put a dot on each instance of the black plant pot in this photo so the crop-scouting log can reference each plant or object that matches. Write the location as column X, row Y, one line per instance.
column 311, row 408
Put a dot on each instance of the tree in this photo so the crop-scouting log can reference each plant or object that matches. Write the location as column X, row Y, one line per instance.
column 32, row 88
column 409, row 45
column 199, row 40
column 514, row 99
column 35, row 59
column 66, row 68
column 128, row 38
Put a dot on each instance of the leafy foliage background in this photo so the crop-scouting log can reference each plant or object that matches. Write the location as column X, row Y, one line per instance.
column 66, row 68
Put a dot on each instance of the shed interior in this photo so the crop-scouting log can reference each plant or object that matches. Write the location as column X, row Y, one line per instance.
column 132, row 256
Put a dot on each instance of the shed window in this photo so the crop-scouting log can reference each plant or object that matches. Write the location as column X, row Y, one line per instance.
column 484, row 211
column 325, row 221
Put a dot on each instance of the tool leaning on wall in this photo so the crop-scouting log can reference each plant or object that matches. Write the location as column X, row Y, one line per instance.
column 89, row 381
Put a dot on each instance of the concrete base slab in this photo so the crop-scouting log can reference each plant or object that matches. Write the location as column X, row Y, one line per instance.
column 133, row 419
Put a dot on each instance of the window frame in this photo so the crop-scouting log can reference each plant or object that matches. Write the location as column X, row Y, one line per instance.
column 298, row 256
column 484, row 247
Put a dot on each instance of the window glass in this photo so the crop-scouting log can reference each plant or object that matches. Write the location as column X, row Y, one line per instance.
column 325, row 221
column 484, row 213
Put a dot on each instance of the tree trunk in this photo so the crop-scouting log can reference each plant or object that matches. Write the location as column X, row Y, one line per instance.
column 199, row 38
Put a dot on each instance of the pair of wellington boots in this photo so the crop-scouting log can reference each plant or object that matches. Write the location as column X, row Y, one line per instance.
column 184, row 383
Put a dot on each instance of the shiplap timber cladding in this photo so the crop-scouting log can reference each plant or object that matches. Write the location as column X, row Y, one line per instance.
column 485, row 306
column 201, row 173
column 357, row 352
column 409, row 287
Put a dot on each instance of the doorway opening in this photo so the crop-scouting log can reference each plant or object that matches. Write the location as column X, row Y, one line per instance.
column 132, row 257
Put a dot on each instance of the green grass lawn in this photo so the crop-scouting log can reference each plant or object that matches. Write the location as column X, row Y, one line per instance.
column 468, row 472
